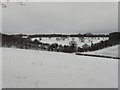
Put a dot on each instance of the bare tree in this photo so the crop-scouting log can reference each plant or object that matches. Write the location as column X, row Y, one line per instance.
column 4, row 4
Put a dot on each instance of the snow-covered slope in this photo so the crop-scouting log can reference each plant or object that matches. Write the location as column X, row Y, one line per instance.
column 37, row 69
column 0, row 68
column 110, row 51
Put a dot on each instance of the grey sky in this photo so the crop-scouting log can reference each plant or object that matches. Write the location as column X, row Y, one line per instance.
column 60, row 17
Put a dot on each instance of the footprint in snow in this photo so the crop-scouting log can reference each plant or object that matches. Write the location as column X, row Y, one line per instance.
column 41, row 64
column 36, row 84
column 21, row 77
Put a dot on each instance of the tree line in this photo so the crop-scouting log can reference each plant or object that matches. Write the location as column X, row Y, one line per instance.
column 26, row 43
column 64, row 35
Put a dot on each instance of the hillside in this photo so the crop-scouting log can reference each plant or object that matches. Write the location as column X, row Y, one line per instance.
column 65, row 41
column 38, row 69
column 0, row 68
column 110, row 51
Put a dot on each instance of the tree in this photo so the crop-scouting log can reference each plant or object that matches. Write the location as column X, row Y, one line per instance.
column 36, row 41
column 85, row 47
column 82, row 39
column 73, row 45
column 79, row 49
column 57, row 39
column 40, row 38
column 53, row 47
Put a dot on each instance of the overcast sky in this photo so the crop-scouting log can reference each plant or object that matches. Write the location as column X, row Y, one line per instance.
column 60, row 17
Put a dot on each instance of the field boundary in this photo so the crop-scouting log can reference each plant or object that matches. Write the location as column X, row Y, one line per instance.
column 111, row 57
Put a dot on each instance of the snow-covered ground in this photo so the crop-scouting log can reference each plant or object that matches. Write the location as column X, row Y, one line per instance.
column 80, row 41
column 42, row 69
column 110, row 51
column 0, row 68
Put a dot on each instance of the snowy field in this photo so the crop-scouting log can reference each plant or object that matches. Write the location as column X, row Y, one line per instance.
column 0, row 68
column 65, row 41
column 42, row 69
column 110, row 51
